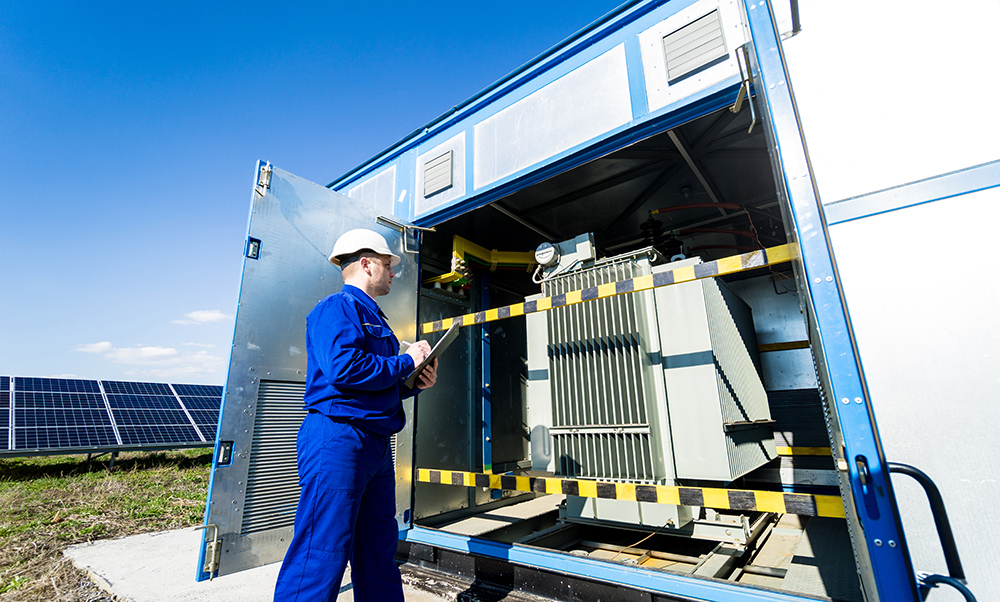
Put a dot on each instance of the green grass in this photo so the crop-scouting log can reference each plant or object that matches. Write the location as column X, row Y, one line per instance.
column 50, row 502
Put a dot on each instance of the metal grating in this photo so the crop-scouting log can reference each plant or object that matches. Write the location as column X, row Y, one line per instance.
column 597, row 379
column 438, row 174
column 695, row 46
column 272, row 492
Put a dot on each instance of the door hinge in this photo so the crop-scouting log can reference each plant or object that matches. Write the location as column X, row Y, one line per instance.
column 263, row 178
column 745, row 83
column 213, row 550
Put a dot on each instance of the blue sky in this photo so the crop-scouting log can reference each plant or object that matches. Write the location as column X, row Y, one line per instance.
column 129, row 133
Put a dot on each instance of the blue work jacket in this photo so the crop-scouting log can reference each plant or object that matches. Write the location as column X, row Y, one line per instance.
column 355, row 372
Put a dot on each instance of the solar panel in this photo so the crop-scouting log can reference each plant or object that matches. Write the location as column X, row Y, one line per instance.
column 4, row 412
column 148, row 414
column 205, row 411
column 63, row 385
column 125, row 388
column 203, row 402
column 199, row 390
column 48, row 416
column 52, row 415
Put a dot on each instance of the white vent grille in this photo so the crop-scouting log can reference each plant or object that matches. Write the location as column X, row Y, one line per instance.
column 273, row 480
column 438, row 174
column 695, row 46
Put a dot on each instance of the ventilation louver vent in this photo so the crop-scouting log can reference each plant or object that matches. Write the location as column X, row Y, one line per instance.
column 695, row 46
column 273, row 480
column 437, row 174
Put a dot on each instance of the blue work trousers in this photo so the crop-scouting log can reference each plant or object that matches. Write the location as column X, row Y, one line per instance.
column 346, row 513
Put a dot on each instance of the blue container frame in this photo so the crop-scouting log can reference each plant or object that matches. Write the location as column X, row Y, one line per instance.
column 890, row 566
column 874, row 503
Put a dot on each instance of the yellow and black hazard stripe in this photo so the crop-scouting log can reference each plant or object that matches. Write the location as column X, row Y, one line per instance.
column 803, row 451
column 721, row 499
column 719, row 267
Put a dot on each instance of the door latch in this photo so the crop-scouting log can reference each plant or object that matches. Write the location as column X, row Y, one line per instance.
column 213, row 550
column 745, row 83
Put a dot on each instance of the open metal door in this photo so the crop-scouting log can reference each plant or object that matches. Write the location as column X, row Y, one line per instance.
column 884, row 565
column 254, row 488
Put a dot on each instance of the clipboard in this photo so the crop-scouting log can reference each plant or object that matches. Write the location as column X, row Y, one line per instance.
column 437, row 350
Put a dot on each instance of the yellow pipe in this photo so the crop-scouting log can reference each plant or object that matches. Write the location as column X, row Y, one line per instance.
column 461, row 247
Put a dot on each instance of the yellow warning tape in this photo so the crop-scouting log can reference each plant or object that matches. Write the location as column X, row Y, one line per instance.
column 786, row 346
column 719, row 267
column 722, row 499
column 803, row 451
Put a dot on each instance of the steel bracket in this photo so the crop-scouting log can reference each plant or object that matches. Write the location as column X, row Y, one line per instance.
column 263, row 179
column 745, row 84
column 409, row 231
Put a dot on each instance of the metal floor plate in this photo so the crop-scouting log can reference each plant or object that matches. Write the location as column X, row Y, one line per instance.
column 502, row 517
column 823, row 564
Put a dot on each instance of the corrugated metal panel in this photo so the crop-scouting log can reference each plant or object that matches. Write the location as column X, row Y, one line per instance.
column 273, row 481
column 438, row 174
column 596, row 379
column 741, row 392
column 696, row 45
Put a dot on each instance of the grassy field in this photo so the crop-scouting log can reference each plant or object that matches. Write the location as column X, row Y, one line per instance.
column 50, row 502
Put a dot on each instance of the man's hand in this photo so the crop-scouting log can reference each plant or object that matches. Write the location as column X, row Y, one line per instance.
column 429, row 375
column 419, row 351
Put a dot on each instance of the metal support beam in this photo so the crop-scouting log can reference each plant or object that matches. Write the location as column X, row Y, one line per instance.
column 611, row 182
column 708, row 136
column 544, row 233
column 695, row 168
column 662, row 180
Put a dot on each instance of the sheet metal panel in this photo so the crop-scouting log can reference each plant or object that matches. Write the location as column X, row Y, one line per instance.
column 874, row 133
column 662, row 86
column 297, row 223
column 446, row 416
column 928, row 333
column 581, row 105
column 378, row 191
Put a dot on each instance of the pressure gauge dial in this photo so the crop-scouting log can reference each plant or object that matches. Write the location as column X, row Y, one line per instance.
column 546, row 254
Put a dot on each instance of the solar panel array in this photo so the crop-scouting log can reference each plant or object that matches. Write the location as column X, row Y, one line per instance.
column 42, row 415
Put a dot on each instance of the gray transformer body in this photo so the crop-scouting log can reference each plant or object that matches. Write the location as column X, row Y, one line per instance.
column 654, row 387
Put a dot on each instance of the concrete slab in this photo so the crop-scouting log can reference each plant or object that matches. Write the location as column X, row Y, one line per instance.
column 161, row 566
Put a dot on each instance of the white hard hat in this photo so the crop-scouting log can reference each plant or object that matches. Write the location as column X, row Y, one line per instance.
column 352, row 241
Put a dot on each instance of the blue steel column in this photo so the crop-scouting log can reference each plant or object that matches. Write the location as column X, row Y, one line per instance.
column 484, row 365
column 871, row 493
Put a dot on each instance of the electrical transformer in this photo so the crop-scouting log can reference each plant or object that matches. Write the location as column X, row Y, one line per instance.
column 660, row 386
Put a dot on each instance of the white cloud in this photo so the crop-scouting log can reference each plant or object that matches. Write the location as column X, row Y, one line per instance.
column 101, row 347
column 206, row 345
column 203, row 316
column 61, row 376
column 164, row 363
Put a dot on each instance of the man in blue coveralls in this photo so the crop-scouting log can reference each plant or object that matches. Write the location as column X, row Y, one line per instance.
column 354, row 391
